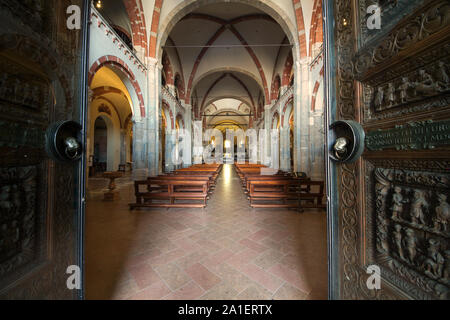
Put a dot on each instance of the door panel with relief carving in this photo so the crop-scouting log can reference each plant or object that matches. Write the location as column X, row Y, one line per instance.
column 40, row 207
column 392, row 206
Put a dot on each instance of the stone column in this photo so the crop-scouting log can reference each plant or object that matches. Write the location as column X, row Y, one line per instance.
column 152, row 115
column 187, row 139
column 123, row 146
column 285, row 158
column 266, row 151
column 318, row 149
column 302, row 103
column 170, row 144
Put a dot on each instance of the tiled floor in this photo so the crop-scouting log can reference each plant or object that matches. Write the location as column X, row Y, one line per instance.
column 226, row 251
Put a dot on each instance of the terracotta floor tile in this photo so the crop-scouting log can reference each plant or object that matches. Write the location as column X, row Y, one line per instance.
column 268, row 259
column 228, row 248
column 242, row 258
column 173, row 276
column 156, row 291
column 144, row 275
column 192, row 259
column 254, row 293
column 204, row 278
column 223, row 291
column 288, row 292
column 253, row 245
column 191, row 291
column 292, row 277
column 261, row 277
column 217, row 258
column 259, row 235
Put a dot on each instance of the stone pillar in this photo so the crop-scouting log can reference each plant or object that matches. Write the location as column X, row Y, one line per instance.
column 152, row 115
column 302, row 103
column 266, row 152
column 188, row 144
column 317, row 147
column 123, row 146
column 170, row 144
column 285, row 157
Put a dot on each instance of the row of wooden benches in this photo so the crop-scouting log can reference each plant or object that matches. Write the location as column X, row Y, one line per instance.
column 184, row 188
column 267, row 188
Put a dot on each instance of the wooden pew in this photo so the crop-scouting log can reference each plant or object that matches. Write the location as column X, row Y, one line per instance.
column 286, row 193
column 199, row 171
column 299, row 187
column 166, row 190
column 181, row 177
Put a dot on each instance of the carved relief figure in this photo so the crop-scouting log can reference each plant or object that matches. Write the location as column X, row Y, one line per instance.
column 434, row 264
column 425, row 84
column 379, row 99
column 410, row 243
column 442, row 77
column 403, row 89
column 391, row 95
column 398, row 241
column 397, row 208
column 442, row 213
column 417, row 208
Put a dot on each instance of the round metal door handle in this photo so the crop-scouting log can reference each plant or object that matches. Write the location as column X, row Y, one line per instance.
column 63, row 141
column 340, row 147
column 348, row 141
column 73, row 148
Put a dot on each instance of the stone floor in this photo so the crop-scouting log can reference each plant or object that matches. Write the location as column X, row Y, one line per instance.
column 226, row 251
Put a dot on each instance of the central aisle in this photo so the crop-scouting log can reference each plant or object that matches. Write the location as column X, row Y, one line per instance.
column 226, row 251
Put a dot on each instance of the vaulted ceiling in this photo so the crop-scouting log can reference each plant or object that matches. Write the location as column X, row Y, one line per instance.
column 227, row 54
column 108, row 88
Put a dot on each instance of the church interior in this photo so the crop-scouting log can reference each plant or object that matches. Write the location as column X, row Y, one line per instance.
column 229, row 67
column 225, row 149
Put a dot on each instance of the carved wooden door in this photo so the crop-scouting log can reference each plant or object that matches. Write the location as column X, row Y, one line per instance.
column 391, row 208
column 40, row 199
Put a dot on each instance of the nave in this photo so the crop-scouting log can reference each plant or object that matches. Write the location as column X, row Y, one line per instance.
column 225, row 251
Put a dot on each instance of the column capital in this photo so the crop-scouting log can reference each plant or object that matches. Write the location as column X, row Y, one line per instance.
column 153, row 63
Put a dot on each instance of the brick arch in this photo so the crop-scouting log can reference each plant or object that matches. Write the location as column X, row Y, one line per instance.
column 135, row 12
column 179, row 84
column 314, row 95
column 290, row 100
column 300, row 28
column 122, row 66
column 316, row 33
column 167, row 69
column 276, row 115
column 154, row 28
column 288, row 65
column 276, row 85
column 166, row 106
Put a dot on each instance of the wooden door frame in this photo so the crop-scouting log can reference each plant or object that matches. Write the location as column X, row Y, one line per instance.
column 331, row 170
column 83, row 120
